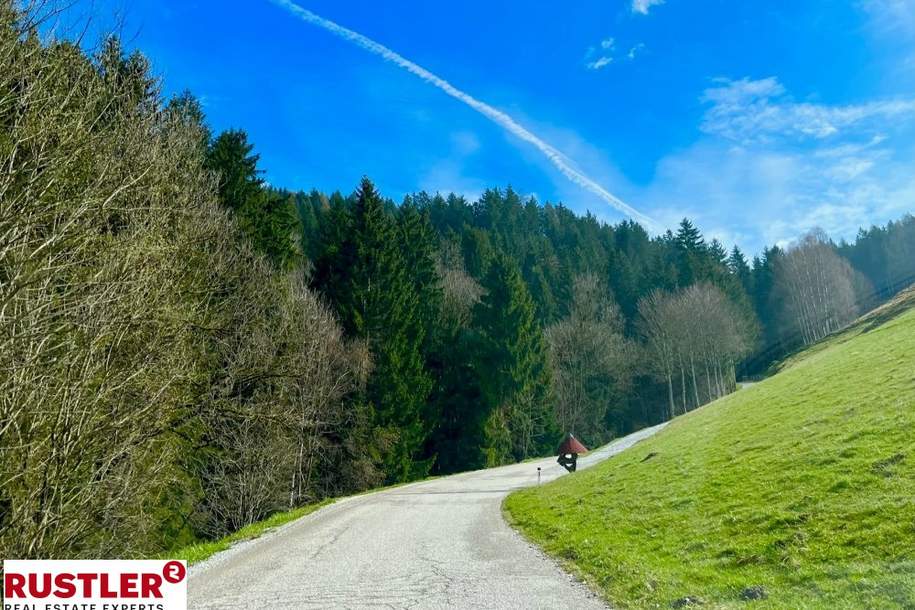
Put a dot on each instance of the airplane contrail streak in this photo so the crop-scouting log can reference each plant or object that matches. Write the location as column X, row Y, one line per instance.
column 496, row 116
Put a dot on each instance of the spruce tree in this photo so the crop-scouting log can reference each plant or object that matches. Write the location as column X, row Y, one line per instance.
column 688, row 237
column 365, row 275
column 691, row 253
column 267, row 218
column 458, row 409
column 276, row 229
column 308, row 208
column 512, row 368
column 764, row 272
column 738, row 265
column 233, row 158
column 419, row 248
column 334, row 255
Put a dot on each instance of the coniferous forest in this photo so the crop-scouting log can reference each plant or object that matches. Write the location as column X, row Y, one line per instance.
column 185, row 350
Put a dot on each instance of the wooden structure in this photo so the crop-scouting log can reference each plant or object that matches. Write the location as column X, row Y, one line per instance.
column 568, row 452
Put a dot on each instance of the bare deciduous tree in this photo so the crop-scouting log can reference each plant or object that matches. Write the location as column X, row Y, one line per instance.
column 592, row 361
column 695, row 337
column 658, row 323
column 152, row 368
column 817, row 289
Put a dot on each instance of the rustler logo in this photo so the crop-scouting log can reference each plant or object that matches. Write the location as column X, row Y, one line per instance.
column 94, row 585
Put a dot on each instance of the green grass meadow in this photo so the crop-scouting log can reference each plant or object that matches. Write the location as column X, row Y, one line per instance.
column 797, row 492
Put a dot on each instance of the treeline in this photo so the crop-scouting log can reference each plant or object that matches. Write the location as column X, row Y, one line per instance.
column 637, row 328
column 532, row 322
column 185, row 350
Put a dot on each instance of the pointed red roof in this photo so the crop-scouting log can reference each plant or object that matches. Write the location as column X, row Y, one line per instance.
column 571, row 445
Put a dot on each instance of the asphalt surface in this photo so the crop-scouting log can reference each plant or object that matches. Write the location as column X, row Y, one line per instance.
column 436, row 544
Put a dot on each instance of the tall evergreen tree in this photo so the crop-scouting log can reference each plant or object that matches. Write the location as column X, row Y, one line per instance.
column 366, row 276
column 419, row 248
column 309, row 208
column 689, row 237
column 233, row 158
column 512, row 367
column 277, row 230
column 717, row 253
column 738, row 265
column 267, row 218
column 691, row 251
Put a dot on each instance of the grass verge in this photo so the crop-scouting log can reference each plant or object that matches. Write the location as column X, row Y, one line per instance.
column 797, row 492
column 195, row 553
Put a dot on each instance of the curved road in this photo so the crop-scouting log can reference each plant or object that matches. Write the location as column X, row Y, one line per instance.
column 435, row 544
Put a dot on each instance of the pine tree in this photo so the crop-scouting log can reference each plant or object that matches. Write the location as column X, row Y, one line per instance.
column 478, row 251
column 762, row 297
column 544, row 300
column 419, row 249
column 458, row 408
column 189, row 108
column 335, row 255
column 512, row 367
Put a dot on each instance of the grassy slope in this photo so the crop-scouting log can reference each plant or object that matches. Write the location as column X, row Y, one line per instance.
column 803, row 484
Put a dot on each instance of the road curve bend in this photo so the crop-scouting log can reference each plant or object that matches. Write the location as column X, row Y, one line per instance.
column 434, row 544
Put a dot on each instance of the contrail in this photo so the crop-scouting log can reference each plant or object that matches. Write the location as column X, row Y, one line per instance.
column 496, row 116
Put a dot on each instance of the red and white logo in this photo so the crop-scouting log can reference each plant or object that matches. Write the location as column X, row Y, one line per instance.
column 94, row 585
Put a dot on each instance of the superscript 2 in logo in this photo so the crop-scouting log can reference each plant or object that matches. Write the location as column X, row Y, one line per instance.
column 94, row 585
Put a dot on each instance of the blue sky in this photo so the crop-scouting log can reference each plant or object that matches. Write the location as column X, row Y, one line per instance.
column 760, row 120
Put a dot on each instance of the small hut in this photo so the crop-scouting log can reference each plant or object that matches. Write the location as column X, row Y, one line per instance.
column 568, row 452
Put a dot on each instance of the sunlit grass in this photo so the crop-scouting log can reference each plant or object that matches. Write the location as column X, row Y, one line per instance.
column 801, row 488
column 196, row 553
column 200, row 551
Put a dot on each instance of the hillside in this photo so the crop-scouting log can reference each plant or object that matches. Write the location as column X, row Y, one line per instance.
column 797, row 492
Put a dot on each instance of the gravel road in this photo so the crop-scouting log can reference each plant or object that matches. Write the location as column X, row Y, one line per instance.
column 436, row 544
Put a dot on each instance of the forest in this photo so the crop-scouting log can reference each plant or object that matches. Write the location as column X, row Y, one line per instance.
column 185, row 349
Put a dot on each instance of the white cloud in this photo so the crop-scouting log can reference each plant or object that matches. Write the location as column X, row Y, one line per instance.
column 760, row 110
column 846, row 150
column 608, row 46
column 768, row 169
column 761, row 196
column 600, row 62
column 891, row 24
column 449, row 173
column 892, row 15
column 643, row 6
column 636, row 50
